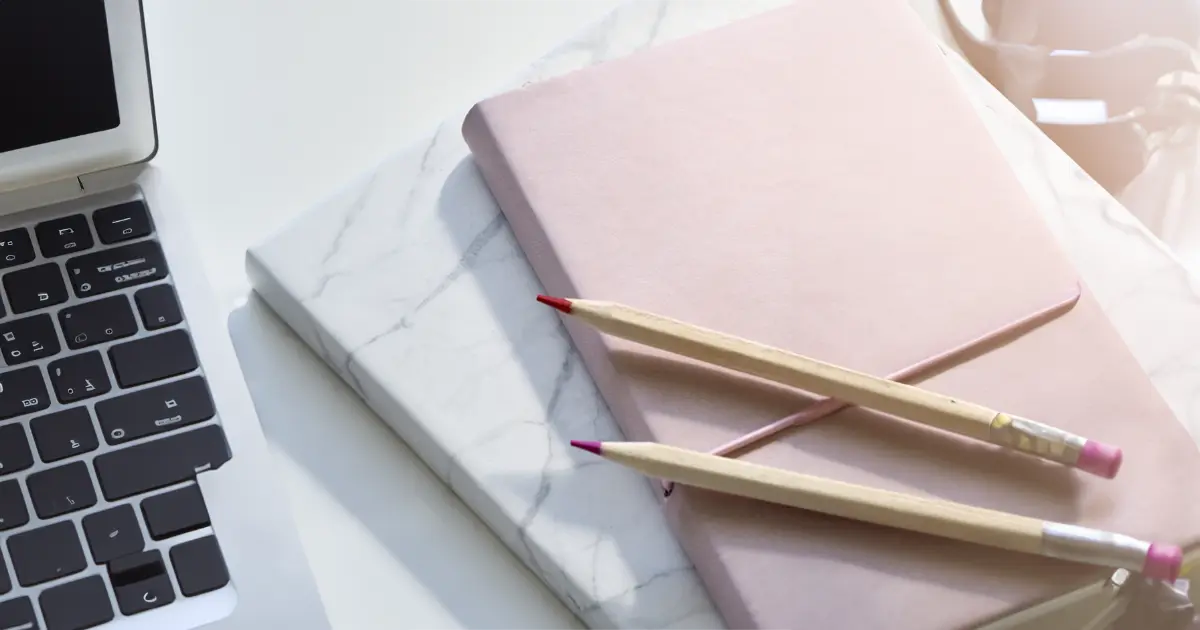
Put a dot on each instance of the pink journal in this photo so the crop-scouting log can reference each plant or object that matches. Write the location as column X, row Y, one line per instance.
column 814, row 178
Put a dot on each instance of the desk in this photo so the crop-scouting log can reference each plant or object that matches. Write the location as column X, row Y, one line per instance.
column 264, row 107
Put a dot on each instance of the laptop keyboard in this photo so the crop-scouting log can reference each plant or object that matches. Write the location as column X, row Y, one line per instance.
column 105, row 421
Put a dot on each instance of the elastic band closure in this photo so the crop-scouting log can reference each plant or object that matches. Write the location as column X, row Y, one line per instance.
column 824, row 407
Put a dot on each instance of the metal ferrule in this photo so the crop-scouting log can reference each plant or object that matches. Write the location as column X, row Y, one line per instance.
column 1093, row 546
column 1034, row 437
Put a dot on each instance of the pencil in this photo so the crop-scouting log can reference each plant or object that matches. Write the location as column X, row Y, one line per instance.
column 781, row 366
column 824, row 407
column 936, row 517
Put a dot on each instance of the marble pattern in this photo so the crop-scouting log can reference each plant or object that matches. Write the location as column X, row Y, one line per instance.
column 409, row 284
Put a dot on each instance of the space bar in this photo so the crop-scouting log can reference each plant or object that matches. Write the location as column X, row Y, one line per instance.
column 162, row 462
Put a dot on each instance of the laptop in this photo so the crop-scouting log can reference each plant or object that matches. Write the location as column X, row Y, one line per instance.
column 136, row 489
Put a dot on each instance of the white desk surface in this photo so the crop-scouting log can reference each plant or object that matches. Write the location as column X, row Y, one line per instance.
column 265, row 107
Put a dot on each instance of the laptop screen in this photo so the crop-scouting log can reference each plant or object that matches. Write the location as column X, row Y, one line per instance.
column 56, row 71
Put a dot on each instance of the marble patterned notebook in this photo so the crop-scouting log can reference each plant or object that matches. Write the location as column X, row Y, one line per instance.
column 409, row 284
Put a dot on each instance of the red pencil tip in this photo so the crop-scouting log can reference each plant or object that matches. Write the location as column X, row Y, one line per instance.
column 562, row 304
column 588, row 445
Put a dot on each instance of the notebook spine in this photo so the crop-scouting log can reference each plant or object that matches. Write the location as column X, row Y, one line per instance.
column 480, row 133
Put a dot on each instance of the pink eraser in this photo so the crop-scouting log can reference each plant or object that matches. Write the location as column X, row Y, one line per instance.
column 1099, row 459
column 1163, row 562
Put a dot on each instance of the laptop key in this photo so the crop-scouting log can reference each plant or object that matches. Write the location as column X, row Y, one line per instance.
column 63, row 236
column 153, row 358
column 159, row 306
column 61, row 490
column 22, row 391
column 199, row 566
column 17, row 614
column 64, row 434
column 122, row 222
column 16, row 248
column 28, row 339
column 175, row 512
column 113, row 533
column 77, row 605
column 79, row 376
column 15, row 454
column 160, row 463
column 98, row 321
column 35, row 287
column 12, row 506
column 46, row 553
column 141, row 582
column 117, row 268
column 155, row 410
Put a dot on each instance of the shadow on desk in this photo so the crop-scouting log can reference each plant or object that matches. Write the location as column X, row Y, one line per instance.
column 391, row 547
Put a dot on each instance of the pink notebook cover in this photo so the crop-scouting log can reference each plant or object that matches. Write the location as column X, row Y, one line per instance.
column 814, row 178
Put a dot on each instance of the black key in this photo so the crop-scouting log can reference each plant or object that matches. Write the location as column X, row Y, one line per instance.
column 63, row 236
column 122, row 222
column 141, row 582
column 64, row 434
column 199, row 566
column 46, row 553
column 28, row 339
column 79, row 376
column 15, row 454
column 113, row 533
column 5, row 581
column 35, row 287
column 175, row 512
column 96, row 322
column 158, row 306
column 76, row 605
column 12, row 506
column 22, row 391
column 116, row 268
column 16, row 248
column 160, row 463
column 61, row 490
column 155, row 410
column 153, row 358
column 17, row 614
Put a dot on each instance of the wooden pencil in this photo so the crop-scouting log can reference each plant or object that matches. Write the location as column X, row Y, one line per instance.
column 894, row 509
column 818, row 377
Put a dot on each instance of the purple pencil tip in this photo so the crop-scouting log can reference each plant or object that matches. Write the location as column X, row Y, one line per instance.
column 588, row 445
